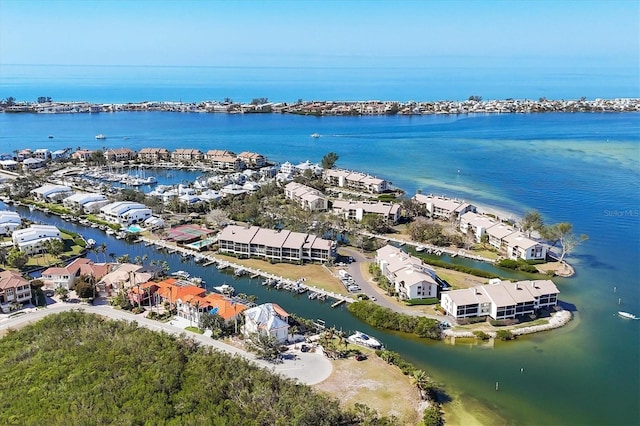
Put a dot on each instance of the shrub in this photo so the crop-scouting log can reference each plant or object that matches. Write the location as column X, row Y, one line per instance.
column 505, row 335
column 481, row 335
column 385, row 318
column 428, row 301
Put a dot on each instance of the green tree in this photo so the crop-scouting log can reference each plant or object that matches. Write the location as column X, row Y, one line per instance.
column 562, row 233
column 264, row 345
column 17, row 258
column 532, row 221
column 374, row 223
column 329, row 160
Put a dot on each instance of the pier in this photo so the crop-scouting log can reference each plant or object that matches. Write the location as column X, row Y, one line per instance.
column 279, row 283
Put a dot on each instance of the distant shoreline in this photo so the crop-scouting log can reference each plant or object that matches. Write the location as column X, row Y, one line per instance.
column 474, row 105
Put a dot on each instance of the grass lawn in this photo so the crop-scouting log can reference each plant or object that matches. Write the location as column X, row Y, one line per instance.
column 375, row 383
column 314, row 273
column 459, row 280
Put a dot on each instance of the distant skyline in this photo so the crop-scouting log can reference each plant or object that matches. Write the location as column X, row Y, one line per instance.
column 321, row 33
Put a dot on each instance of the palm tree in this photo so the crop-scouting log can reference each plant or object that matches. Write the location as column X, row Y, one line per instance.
column 422, row 382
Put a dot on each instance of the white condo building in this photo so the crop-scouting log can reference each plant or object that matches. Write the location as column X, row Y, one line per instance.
column 9, row 222
column 125, row 212
column 411, row 278
column 32, row 239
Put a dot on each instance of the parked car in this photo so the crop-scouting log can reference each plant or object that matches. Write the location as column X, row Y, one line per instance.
column 360, row 357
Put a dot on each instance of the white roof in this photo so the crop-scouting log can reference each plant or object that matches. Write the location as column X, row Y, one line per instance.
column 265, row 317
column 121, row 207
column 84, row 198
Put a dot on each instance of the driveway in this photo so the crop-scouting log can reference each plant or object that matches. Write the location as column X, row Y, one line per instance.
column 308, row 368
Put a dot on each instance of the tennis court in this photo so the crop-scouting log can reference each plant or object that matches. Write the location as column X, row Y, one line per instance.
column 188, row 233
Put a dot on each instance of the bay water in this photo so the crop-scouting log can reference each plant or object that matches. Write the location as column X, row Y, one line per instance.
column 581, row 168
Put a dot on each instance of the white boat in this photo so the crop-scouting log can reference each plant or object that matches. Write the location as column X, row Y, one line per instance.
column 315, row 135
column 91, row 242
column 225, row 289
column 181, row 274
column 360, row 338
column 197, row 281
column 420, row 248
column 627, row 315
column 101, row 136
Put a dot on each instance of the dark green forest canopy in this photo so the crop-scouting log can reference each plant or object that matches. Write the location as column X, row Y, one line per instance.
column 82, row 369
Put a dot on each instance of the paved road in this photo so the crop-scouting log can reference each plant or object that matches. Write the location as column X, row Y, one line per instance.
column 309, row 368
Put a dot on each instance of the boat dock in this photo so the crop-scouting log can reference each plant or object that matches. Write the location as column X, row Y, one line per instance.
column 279, row 283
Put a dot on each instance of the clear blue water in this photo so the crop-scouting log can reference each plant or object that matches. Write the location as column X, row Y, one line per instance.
column 583, row 168
column 134, row 228
column 117, row 84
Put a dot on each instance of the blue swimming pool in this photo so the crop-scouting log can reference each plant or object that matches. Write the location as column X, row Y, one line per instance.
column 135, row 228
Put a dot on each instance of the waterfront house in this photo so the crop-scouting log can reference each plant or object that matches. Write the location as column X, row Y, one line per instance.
column 153, row 155
column 9, row 164
column 23, row 154
column 82, row 155
column 125, row 213
column 410, row 276
column 14, row 289
column 32, row 239
column 274, row 245
column 354, row 180
column 59, row 154
column 119, row 154
column 308, row 198
column 87, row 202
column 443, row 207
column 65, row 277
column 500, row 299
column 269, row 319
column 287, row 168
column 33, row 164
column 224, row 160
column 182, row 155
column 356, row 210
column 125, row 276
column 9, row 222
column 252, row 160
column 42, row 154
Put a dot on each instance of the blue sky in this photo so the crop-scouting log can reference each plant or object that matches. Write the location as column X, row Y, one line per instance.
column 296, row 33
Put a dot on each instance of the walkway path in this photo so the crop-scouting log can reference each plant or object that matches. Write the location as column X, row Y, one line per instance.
column 309, row 368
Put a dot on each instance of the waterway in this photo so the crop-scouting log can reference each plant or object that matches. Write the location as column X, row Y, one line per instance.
column 582, row 168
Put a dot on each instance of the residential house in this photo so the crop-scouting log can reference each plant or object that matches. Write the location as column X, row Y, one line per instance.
column 287, row 168
column 9, row 164
column 126, row 275
column 252, row 160
column 23, row 154
column 9, row 222
column 356, row 210
column 153, row 155
column 82, row 155
column 182, row 155
column 51, row 193
column 42, row 154
column 308, row 198
column 32, row 239
column 14, row 289
column 269, row 319
column 410, row 276
column 125, row 212
column 274, row 245
column 59, row 154
column 87, row 202
column 501, row 299
column 65, row 277
column 443, row 207
column 33, row 163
